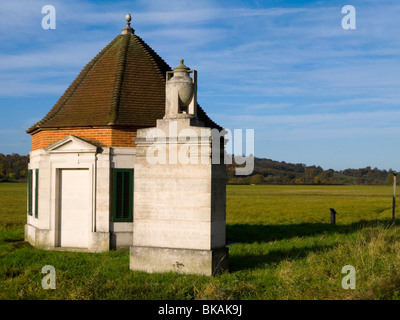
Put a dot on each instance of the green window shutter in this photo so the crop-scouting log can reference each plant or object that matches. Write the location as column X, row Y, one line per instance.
column 30, row 192
column 122, row 195
column 36, row 193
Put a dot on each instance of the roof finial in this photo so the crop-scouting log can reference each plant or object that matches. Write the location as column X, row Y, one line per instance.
column 128, row 29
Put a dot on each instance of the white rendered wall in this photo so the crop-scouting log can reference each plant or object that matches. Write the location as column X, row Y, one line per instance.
column 122, row 232
column 179, row 209
column 70, row 153
column 53, row 162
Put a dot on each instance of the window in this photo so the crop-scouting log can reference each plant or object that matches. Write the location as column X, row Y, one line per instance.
column 30, row 192
column 36, row 193
column 122, row 195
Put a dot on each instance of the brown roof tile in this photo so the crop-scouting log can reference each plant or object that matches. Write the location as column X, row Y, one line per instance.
column 123, row 86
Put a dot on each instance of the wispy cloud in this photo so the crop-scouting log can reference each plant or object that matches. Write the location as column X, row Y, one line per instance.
column 290, row 72
column 341, row 119
column 316, row 127
column 59, row 56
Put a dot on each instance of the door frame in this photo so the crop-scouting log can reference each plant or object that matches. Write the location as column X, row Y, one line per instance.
column 58, row 229
column 55, row 197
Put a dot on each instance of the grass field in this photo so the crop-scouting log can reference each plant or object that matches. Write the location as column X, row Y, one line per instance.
column 282, row 246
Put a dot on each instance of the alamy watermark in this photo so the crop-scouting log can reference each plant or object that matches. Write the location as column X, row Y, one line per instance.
column 49, row 281
column 49, row 20
column 349, row 280
column 349, row 20
column 190, row 146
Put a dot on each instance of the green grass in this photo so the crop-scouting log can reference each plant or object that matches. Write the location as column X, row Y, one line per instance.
column 283, row 247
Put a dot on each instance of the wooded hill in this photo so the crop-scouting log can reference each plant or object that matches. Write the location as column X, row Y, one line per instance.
column 267, row 171
column 14, row 168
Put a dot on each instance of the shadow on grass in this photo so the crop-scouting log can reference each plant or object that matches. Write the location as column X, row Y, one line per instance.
column 246, row 233
column 249, row 233
column 17, row 243
column 253, row 261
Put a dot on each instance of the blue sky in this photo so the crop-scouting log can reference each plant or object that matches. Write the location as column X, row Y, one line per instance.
column 313, row 92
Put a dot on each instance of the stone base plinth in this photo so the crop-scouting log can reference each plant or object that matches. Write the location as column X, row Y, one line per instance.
column 45, row 239
column 204, row 262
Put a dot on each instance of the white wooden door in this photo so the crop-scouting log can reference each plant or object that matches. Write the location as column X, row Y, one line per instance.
column 74, row 212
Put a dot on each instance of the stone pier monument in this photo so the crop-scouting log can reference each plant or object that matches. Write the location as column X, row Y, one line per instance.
column 180, row 194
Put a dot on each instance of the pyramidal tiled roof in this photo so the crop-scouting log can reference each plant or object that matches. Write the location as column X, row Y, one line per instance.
column 123, row 86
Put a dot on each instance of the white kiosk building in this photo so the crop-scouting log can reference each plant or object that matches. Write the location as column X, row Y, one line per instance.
column 89, row 185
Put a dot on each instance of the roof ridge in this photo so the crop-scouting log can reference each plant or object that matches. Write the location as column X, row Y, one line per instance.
column 154, row 57
column 74, row 85
column 118, row 79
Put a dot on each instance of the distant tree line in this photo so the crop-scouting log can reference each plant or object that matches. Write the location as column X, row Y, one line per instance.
column 13, row 168
column 267, row 171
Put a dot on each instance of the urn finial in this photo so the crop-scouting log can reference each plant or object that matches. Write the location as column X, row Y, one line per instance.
column 181, row 92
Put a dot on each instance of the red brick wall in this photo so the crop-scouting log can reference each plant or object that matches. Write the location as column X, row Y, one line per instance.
column 100, row 137
column 122, row 138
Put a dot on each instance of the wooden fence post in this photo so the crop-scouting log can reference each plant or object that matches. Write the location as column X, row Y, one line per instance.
column 333, row 216
column 394, row 197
